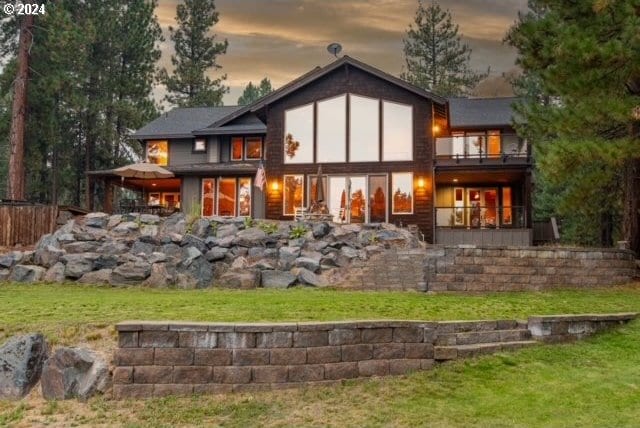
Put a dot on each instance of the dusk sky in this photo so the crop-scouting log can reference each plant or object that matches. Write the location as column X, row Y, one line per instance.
column 282, row 39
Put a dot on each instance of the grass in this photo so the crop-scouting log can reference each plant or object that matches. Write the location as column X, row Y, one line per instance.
column 592, row 383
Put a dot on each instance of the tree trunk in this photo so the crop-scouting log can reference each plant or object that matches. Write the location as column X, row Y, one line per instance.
column 632, row 204
column 16, row 187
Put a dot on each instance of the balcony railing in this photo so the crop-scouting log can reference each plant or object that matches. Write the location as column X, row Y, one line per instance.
column 502, row 147
column 477, row 216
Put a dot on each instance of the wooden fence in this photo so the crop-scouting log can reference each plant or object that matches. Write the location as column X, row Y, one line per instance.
column 25, row 224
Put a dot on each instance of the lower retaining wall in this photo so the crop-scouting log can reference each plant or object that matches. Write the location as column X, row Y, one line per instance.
column 167, row 358
column 470, row 268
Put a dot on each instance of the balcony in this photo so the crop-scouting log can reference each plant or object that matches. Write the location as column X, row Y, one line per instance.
column 482, row 149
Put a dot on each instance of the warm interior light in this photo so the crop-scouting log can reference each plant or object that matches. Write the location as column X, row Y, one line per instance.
column 421, row 182
column 436, row 129
column 275, row 185
column 455, row 180
column 154, row 184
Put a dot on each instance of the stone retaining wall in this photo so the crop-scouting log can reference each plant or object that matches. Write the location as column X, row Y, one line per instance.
column 564, row 328
column 168, row 358
column 468, row 268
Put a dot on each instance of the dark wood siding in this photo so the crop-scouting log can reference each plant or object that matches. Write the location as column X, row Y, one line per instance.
column 351, row 80
column 181, row 153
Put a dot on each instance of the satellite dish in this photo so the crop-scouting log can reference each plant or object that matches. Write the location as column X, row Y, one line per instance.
column 334, row 49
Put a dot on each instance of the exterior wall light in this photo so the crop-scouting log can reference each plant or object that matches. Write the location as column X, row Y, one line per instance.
column 421, row 183
column 274, row 185
column 435, row 129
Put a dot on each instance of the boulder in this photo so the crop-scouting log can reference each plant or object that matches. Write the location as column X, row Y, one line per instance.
column 149, row 219
column 160, row 276
column 66, row 238
column 141, row 247
column 27, row 273
column 306, row 277
column 21, row 361
column 320, row 230
column 316, row 245
column 239, row 263
column 196, row 273
column 130, row 273
column 79, row 247
column 98, row 277
column 251, row 237
column 55, row 273
column 156, row 257
column 201, row 228
column 226, row 230
column 189, row 254
column 114, row 220
column 215, row 254
column 99, row 220
column 106, row 261
column 308, row 263
column 263, row 264
column 48, row 255
column 4, row 274
column 277, row 279
column 287, row 256
column 175, row 223
column 113, row 247
column 171, row 250
column 125, row 228
column 149, row 230
column 78, row 264
column 74, row 373
column 11, row 259
column 242, row 278
column 190, row 240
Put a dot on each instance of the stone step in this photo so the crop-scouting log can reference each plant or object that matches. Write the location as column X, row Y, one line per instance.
column 473, row 337
column 481, row 325
column 444, row 353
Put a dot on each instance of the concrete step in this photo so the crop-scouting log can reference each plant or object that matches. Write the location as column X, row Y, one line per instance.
column 445, row 353
column 490, row 336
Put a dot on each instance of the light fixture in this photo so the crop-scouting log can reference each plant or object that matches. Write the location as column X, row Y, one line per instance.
column 436, row 129
column 275, row 185
column 154, row 184
column 421, row 182
column 455, row 180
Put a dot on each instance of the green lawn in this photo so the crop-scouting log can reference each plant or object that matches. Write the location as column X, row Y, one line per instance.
column 592, row 383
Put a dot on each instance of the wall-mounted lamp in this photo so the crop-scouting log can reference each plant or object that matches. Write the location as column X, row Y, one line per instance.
column 275, row 185
column 455, row 180
column 435, row 129
column 154, row 184
column 421, row 183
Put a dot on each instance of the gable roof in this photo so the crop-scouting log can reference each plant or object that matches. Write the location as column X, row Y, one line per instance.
column 481, row 112
column 181, row 122
column 317, row 73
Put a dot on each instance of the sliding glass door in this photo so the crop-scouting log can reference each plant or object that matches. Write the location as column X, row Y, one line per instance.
column 226, row 197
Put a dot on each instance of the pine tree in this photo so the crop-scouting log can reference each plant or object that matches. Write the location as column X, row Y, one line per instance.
column 252, row 92
column 436, row 59
column 581, row 59
column 196, row 53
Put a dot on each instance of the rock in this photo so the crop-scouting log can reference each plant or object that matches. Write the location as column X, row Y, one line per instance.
column 78, row 264
column 98, row 277
column 130, row 273
column 149, row 219
column 328, row 260
column 320, row 230
column 141, row 247
column 198, row 273
column 159, row 277
column 113, row 248
column 133, row 217
column 263, row 265
column 201, row 228
column 307, row 277
column 215, row 254
column 175, row 223
column 4, row 274
column 25, row 273
column 316, row 245
column 308, row 263
column 85, row 233
column 74, row 373
column 55, row 273
column 345, row 256
column 225, row 242
column 21, row 360
column 239, row 263
column 190, row 254
column 373, row 249
column 277, row 279
column 226, row 230
column 149, row 230
column 106, row 261
column 66, row 238
column 11, row 259
column 48, row 256
column 243, row 279
column 156, row 257
column 63, row 217
column 298, row 242
column 114, row 220
column 79, row 247
column 99, row 220
column 287, row 255
column 256, row 252
column 125, row 228
column 172, row 251
column 194, row 241
column 251, row 237
column 311, row 254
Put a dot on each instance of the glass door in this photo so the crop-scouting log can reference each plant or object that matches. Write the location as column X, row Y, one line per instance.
column 377, row 198
column 482, row 207
column 347, row 199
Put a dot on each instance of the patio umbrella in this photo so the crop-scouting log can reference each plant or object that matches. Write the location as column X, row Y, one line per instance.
column 143, row 170
column 319, row 186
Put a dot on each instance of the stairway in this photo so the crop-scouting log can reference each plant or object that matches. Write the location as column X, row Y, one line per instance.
column 467, row 339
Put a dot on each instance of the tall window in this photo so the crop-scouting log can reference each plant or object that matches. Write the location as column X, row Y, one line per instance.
column 331, row 138
column 397, row 132
column 298, row 135
column 158, row 152
column 364, row 129
column 244, row 196
column 236, row 148
column 227, row 197
column 402, row 191
column 208, row 197
column 377, row 198
column 293, row 193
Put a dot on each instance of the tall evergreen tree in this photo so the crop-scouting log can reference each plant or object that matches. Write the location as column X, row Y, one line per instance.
column 196, row 53
column 252, row 92
column 436, row 59
column 581, row 59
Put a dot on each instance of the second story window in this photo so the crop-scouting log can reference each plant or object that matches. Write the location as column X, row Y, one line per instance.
column 158, row 152
column 237, row 148
column 253, row 148
column 200, row 145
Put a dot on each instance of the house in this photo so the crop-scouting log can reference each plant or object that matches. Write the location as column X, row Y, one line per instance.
column 389, row 151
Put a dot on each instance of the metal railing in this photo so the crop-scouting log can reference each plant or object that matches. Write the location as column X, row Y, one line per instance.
column 504, row 146
column 477, row 216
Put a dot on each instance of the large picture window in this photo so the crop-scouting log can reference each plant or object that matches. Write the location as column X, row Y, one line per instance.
column 397, row 132
column 364, row 129
column 331, row 139
column 253, row 148
column 402, row 192
column 158, row 152
column 298, row 135
column 293, row 193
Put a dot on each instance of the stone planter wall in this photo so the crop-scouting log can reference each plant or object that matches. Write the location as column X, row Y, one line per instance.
column 468, row 268
column 169, row 358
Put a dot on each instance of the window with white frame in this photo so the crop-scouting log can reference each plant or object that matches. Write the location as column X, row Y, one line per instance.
column 364, row 129
column 298, row 135
column 331, row 130
column 397, row 132
column 292, row 193
column 402, row 193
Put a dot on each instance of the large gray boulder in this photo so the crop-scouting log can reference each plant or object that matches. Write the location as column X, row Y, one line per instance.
column 216, row 253
column 130, row 273
column 201, row 228
column 320, row 230
column 55, row 273
column 21, row 360
column 287, row 256
column 250, row 237
column 99, row 220
column 306, row 277
column 27, row 273
column 74, row 373
column 98, row 277
column 11, row 259
column 277, row 279
column 125, row 228
column 239, row 278
column 78, row 264
column 196, row 272
column 312, row 264
column 161, row 277
column 190, row 240
column 225, row 230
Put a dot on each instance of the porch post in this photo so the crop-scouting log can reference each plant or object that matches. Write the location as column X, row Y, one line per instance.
column 108, row 196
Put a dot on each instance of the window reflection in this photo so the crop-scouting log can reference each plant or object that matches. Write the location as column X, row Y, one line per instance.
column 364, row 129
column 298, row 135
column 158, row 152
column 332, row 130
column 402, row 187
column 377, row 199
column 227, row 197
column 253, row 148
column 244, row 196
column 236, row 148
column 208, row 197
column 293, row 193
column 397, row 136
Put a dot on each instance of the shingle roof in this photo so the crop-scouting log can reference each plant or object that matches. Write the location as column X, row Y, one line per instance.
column 180, row 122
column 481, row 112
